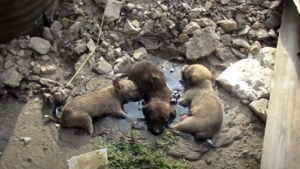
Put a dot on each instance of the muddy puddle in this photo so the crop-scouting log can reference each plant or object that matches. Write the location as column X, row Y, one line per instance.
column 134, row 109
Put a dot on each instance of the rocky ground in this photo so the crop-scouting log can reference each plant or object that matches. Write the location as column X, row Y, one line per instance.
column 234, row 38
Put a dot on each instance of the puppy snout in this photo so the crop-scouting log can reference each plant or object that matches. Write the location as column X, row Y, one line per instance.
column 156, row 131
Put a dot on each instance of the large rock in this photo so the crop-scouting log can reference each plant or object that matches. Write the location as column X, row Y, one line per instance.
column 11, row 78
column 112, row 10
column 203, row 43
column 260, row 108
column 94, row 159
column 40, row 45
column 102, row 67
column 247, row 79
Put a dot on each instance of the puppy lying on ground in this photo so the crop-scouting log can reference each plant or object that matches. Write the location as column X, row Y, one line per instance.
column 151, row 81
column 80, row 111
column 205, row 114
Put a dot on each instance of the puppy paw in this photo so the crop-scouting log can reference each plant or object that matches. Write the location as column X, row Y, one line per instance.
column 182, row 102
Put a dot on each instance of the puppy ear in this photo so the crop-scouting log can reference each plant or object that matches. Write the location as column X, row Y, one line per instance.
column 117, row 85
column 146, row 109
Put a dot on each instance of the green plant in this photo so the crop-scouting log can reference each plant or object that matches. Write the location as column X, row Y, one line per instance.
column 138, row 155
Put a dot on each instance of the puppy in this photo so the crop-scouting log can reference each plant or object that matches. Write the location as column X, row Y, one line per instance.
column 80, row 111
column 192, row 75
column 151, row 82
column 205, row 114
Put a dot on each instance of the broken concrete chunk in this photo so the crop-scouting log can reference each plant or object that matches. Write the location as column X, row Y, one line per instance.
column 260, row 108
column 247, row 79
column 91, row 160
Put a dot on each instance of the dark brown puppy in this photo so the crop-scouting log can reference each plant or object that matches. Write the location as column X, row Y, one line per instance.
column 80, row 111
column 151, row 81
column 206, row 114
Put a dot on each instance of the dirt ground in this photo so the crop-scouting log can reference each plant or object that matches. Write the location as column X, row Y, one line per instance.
column 238, row 145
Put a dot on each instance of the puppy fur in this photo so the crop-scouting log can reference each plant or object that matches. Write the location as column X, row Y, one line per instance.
column 80, row 111
column 192, row 75
column 206, row 114
column 151, row 81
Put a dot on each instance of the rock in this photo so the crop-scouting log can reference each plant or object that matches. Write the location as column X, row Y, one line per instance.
column 205, row 22
column 136, row 23
column 202, row 44
column 47, row 34
column 129, row 29
column 123, row 64
column 228, row 25
column 103, row 67
column 240, row 43
column 91, row 45
column 244, row 31
column 75, row 27
column 112, row 10
column 266, row 56
column 257, row 2
column 140, row 54
column 129, row 7
column 208, row 5
column 56, row 26
column 94, row 159
column 275, row 4
column 110, row 55
column 36, row 69
column 118, row 52
column 238, row 54
column 155, row 14
column 45, row 57
column 183, row 38
column 11, row 78
column 48, row 69
column 8, row 64
column 80, row 47
column 190, row 28
column 255, row 25
column 195, row 13
column 273, row 21
column 254, row 48
column 226, row 39
column 104, row 44
column 25, row 139
column 260, row 34
column 40, row 45
column 260, row 108
column 223, row 53
column 247, row 79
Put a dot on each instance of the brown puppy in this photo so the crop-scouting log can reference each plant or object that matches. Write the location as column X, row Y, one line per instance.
column 192, row 75
column 80, row 111
column 206, row 114
column 151, row 81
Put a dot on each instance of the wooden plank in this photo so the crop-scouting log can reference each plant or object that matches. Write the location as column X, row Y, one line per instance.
column 281, row 148
column 297, row 3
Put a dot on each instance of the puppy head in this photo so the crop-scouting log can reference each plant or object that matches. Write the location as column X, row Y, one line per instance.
column 194, row 74
column 126, row 89
column 158, row 114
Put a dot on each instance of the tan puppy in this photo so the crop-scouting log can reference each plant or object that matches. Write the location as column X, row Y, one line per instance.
column 151, row 81
column 80, row 111
column 206, row 114
column 192, row 75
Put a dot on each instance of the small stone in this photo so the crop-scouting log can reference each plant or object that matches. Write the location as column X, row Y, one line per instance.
column 21, row 53
column 244, row 31
column 260, row 108
column 140, row 54
column 255, row 48
column 80, row 47
column 208, row 5
column 190, row 28
column 104, row 44
column 47, row 34
column 136, row 23
column 40, row 45
column 48, row 69
column 272, row 33
column 226, row 39
column 103, row 67
column 256, row 25
column 240, row 43
column 183, row 38
column 45, row 57
column 123, row 64
column 195, row 13
column 118, row 52
column 205, row 22
column 20, row 62
column 94, row 159
column 273, row 21
column 267, row 57
column 11, row 78
column 75, row 27
column 129, row 29
column 25, row 139
column 258, row 2
column 228, row 25
column 129, row 7
column 8, row 64
column 56, row 26
column 112, row 10
column 247, row 79
column 259, row 34
column 36, row 69
column 155, row 14
column 91, row 45
column 275, row 4
column 110, row 55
